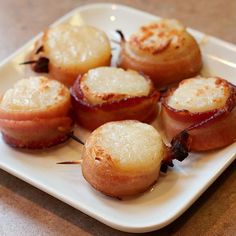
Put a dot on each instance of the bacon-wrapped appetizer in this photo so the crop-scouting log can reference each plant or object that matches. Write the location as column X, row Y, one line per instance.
column 124, row 158
column 163, row 50
column 107, row 94
column 205, row 109
column 35, row 113
column 65, row 51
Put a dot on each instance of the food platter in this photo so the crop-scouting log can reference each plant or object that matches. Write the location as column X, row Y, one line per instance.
column 173, row 193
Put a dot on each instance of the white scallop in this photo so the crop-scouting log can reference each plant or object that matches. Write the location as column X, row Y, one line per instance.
column 34, row 93
column 100, row 82
column 132, row 145
column 199, row 95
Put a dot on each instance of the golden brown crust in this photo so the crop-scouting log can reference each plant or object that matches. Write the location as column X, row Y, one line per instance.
column 100, row 169
column 110, row 84
column 103, row 176
column 164, row 62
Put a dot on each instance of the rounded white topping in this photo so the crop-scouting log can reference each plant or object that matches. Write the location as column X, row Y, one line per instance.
column 156, row 36
column 113, row 84
column 76, row 46
column 34, row 93
column 200, row 94
column 132, row 145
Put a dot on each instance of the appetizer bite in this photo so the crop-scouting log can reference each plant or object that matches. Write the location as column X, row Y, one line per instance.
column 124, row 158
column 205, row 109
column 35, row 113
column 107, row 93
column 163, row 50
column 65, row 51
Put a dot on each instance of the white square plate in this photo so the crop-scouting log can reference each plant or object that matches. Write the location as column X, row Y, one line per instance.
column 173, row 193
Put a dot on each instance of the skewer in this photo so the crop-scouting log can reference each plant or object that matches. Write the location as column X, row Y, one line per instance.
column 71, row 135
column 70, row 162
column 76, row 138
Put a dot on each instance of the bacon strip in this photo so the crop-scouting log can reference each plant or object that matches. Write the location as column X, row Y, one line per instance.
column 207, row 130
column 167, row 65
column 92, row 116
column 38, row 133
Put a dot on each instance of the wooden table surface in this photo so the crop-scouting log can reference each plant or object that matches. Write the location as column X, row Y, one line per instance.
column 25, row 210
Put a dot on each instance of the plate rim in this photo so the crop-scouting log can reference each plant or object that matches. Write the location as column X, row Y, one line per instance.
column 124, row 227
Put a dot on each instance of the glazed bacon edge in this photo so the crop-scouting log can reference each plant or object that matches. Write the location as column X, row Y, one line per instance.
column 37, row 133
column 78, row 95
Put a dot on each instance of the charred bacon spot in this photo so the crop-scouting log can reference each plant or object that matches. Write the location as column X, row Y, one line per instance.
column 179, row 150
column 180, row 146
column 164, row 168
column 40, row 65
